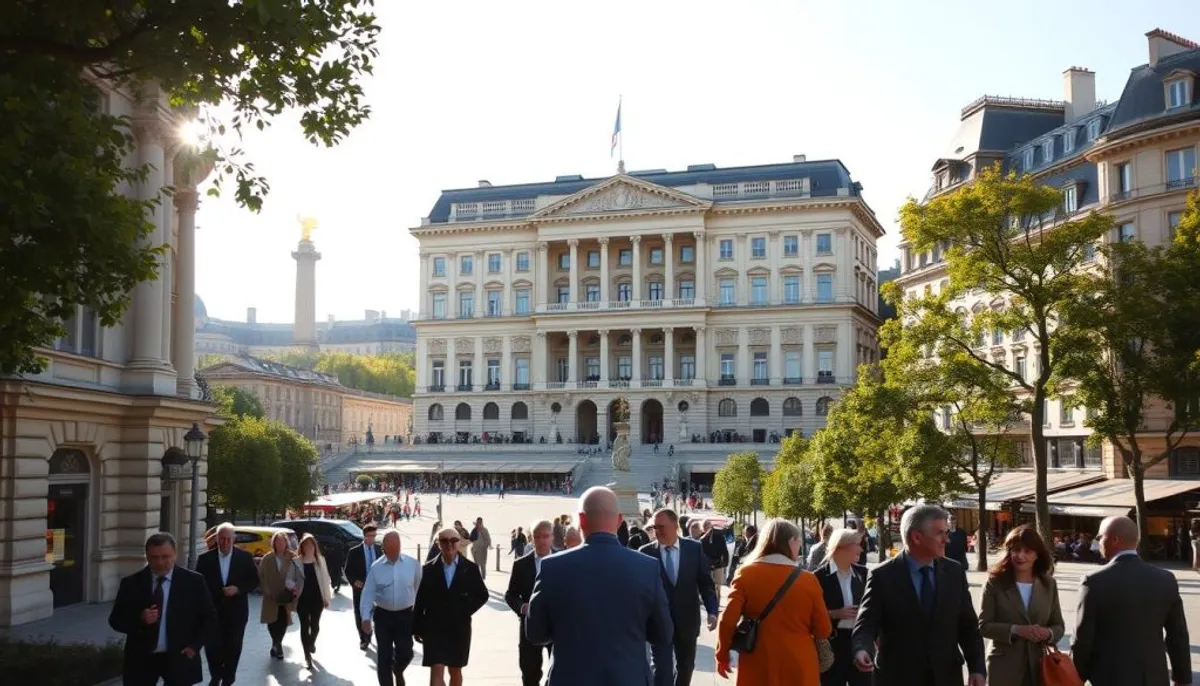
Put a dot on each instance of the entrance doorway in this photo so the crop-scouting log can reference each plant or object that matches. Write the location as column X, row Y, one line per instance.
column 67, row 526
column 585, row 423
column 652, row 421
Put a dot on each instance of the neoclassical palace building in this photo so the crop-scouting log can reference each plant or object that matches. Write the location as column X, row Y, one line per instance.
column 713, row 301
column 91, row 448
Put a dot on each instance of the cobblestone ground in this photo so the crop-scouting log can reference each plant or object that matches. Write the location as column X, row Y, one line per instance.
column 493, row 652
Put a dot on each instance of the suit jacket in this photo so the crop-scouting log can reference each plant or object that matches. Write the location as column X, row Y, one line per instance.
column 446, row 611
column 831, row 588
column 356, row 563
column 694, row 585
column 956, row 548
column 599, row 604
column 911, row 646
column 1010, row 658
column 1124, row 607
column 242, row 573
column 520, row 587
column 190, row 617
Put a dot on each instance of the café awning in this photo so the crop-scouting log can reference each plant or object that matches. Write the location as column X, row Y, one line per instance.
column 1015, row 486
column 1112, row 498
column 335, row 500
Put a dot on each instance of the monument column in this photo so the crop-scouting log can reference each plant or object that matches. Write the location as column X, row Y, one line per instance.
column 637, row 270
column 604, row 271
column 572, row 357
column 669, row 356
column 669, row 261
column 702, row 274
column 636, row 335
column 304, row 331
column 186, row 201
column 603, row 358
column 573, row 275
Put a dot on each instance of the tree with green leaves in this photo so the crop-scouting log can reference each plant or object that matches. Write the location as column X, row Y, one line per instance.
column 71, row 235
column 978, row 411
column 1012, row 250
column 1131, row 360
column 297, row 464
column 737, row 485
column 787, row 491
column 237, row 402
column 386, row 373
column 244, row 467
column 879, row 448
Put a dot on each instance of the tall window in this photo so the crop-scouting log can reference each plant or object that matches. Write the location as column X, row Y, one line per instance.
column 493, row 373
column 564, row 294
column 727, row 368
column 522, row 301
column 1070, row 200
column 825, row 366
column 438, row 373
column 824, row 244
column 625, row 257
column 625, row 368
column 1066, row 412
column 758, row 247
column 564, row 261
column 760, row 366
column 1181, row 167
column 1093, row 129
column 466, row 304
column 656, row 368
column 687, row 367
column 439, row 266
column 494, row 263
column 727, row 408
column 726, row 249
column 728, row 292
column 593, row 292
column 1173, row 219
column 656, row 290
column 466, row 264
column 494, row 300
column 593, row 368
column 522, row 261
column 439, row 305
column 687, row 289
column 1128, row 232
column 791, row 246
column 758, row 290
column 824, row 288
column 562, row 367
column 656, row 256
column 593, row 259
column 521, row 371
column 1068, row 141
column 624, row 291
column 791, row 365
column 687, row 254
column 464, row 373
column 791, row 289
column 1124, row 177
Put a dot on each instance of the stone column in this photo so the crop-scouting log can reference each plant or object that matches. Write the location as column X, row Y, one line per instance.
column 478, row 367
column 186, row 201
column 742, row 259
column 506, row 305
column 572, row 357
column 541, row 278
column 425, row 308
column 506, row 364
column 669, row 260
column 574, row 274
column 478, row 258
column 702, row 274
column 637, row 268
column 810, row 356
column 845, row 366
column 636, row 335
column 452, row 280
column 669, row 357
column 604, row 271
column 148, row 372
column 774, row 281
column 603, row 357
column 422, row 363
column 539, row 361
column 776, row 371
column 701, row 356
column 742, row 361
column 450, row 371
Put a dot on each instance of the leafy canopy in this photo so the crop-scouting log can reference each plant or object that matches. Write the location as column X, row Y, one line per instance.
column 387, row 373
column 787, row 491
column 736, row 485
column 237, row 402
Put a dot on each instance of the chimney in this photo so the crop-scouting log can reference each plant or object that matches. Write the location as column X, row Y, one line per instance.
column 251, row 315
column 371, row 315
column 1079, row 91
column 383, row 314
column 1164, row 43
column 799, row 158
column 484, row 183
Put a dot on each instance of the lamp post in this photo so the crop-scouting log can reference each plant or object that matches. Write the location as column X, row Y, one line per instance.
column 754, row 499
column 194, row 441
column 441, row 486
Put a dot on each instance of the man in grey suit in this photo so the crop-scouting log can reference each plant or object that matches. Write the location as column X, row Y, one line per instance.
column 599, row 604
column 1124, row 608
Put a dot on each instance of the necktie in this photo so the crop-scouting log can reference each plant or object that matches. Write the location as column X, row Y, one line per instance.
column 670, row 562
column 370, row 557
column 927, row 592
column 158, row 597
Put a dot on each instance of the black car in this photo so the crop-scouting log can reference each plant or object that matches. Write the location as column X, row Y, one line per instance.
column 335, row 536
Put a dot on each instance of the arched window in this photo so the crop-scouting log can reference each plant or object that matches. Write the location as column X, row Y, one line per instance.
column 727, row 408
column 823, row 405
column 759, row 407
column 436, row 413
column 792, row 408
column 491, row 411
column 520, row 411
column 463, row 411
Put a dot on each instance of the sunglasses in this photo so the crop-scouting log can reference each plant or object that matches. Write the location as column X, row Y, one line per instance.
column 448, row 541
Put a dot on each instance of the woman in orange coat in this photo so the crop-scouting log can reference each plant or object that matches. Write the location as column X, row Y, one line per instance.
column 786, row 653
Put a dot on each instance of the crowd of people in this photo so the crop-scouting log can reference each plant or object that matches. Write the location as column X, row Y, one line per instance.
column 611, row 602
column 457, row 484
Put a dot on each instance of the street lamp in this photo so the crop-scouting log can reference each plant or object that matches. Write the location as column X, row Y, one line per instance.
column 441, row 486
column 754, row 499
column 194, row 441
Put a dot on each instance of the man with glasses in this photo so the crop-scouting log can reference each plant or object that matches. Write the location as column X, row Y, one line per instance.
column 451, row 591
column 388, row 597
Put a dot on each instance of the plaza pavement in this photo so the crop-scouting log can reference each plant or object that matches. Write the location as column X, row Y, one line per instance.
column 339, row 662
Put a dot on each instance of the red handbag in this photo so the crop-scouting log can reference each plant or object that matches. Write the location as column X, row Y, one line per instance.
column 1058, row 670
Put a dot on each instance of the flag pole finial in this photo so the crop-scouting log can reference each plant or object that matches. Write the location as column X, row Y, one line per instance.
column 620, row 166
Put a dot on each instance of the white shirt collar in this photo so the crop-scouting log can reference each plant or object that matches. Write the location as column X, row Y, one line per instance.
column 225, row 556
column 833, row 569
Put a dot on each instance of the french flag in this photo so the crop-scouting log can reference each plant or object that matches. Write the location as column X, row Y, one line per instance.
column 616, row 131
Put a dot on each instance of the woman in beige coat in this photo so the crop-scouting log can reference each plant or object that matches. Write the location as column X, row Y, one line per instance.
column 281, row 579
column 1020, row 611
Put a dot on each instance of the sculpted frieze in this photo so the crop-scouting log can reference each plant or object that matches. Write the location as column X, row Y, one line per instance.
column 727, row 337
column 436, row 346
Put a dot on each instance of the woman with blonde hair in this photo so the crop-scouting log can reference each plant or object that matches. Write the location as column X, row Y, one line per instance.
column 843, row 582
column 281, row 579
column 315, row 595
column 786, row 652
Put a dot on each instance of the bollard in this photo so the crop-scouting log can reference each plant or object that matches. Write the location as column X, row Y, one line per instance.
column 497, row 558
column 419, row 558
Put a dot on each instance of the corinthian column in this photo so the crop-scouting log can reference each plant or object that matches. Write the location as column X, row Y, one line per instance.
column 184, row 356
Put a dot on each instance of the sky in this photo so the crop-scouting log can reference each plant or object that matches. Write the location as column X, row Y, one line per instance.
column 525, row 90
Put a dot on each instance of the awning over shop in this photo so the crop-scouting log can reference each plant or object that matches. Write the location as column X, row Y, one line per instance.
column 1112, row 498
column 336, row 500
column 464, row 467
column 1008, row 487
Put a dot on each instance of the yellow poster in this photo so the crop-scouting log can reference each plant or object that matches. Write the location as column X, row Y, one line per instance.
column 56, row 545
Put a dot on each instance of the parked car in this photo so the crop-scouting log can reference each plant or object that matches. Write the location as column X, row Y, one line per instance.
column 335, row 536
column 255, row 540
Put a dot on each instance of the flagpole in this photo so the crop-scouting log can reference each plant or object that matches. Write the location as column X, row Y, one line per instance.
column 621, row 140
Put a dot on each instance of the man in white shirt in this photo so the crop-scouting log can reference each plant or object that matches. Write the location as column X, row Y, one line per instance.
column 520, row 590
column 388, row 596
column 230, row 575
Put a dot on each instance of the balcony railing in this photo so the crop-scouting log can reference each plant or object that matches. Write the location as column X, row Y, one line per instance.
column 601, row 305
column 760, row 382
column 556, row 384
column 727, row 381
column 492, row 386
column 823, row 377
column 465, row 387
column 652, row 383
column 685, row 382
column 520, row 387
column 793, row 381
column 436, row 388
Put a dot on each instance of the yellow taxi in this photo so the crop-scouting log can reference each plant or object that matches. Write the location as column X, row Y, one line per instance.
column 255, row 540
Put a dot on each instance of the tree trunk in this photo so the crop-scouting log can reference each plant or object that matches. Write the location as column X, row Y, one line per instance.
column 981, row 532
column 884, row 535
column 1139, row 495
column 1041, row 459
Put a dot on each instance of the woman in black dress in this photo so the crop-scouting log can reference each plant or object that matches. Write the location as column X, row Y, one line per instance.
column 315, row 595
column 442, row 613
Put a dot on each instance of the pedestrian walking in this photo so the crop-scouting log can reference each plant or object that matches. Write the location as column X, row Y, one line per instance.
column 843, row 582
column 358, row 565
column 520, row 589
column 388, row 597
column 314, row 596
column 281, row 580
column 450, row 592
column 481, row 543
column 230, row 576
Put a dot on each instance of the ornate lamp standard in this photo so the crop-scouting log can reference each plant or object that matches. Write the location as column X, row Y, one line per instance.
column 194, row 441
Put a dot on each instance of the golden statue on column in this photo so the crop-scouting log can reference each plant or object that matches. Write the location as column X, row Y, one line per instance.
column 307, row 225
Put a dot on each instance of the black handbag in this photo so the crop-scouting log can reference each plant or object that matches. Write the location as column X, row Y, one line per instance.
column 745, row 634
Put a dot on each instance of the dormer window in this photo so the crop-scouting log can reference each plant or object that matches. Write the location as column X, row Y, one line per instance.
column 1048, row 150
column 1093, row 129
column 1179, row 92
column 1071, row 199
column 1068, row 141
column 1027, row 160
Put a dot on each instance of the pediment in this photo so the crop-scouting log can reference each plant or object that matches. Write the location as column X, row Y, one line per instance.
column 621, row 193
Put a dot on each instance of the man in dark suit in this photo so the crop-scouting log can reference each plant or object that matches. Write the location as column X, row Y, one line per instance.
column 166, row 615
column 230, row 575
column 520, row 590
column 599, row 604
column 687, row 578
column 956, row 548
column 450, row 593
column 917, row 608
column 358, row 562
column 1124, row 609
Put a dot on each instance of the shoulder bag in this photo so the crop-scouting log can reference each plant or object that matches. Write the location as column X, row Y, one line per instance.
column 1057, row 668
column 745, row 634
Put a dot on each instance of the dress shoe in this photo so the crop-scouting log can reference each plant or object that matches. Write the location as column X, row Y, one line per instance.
column 363, row 645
